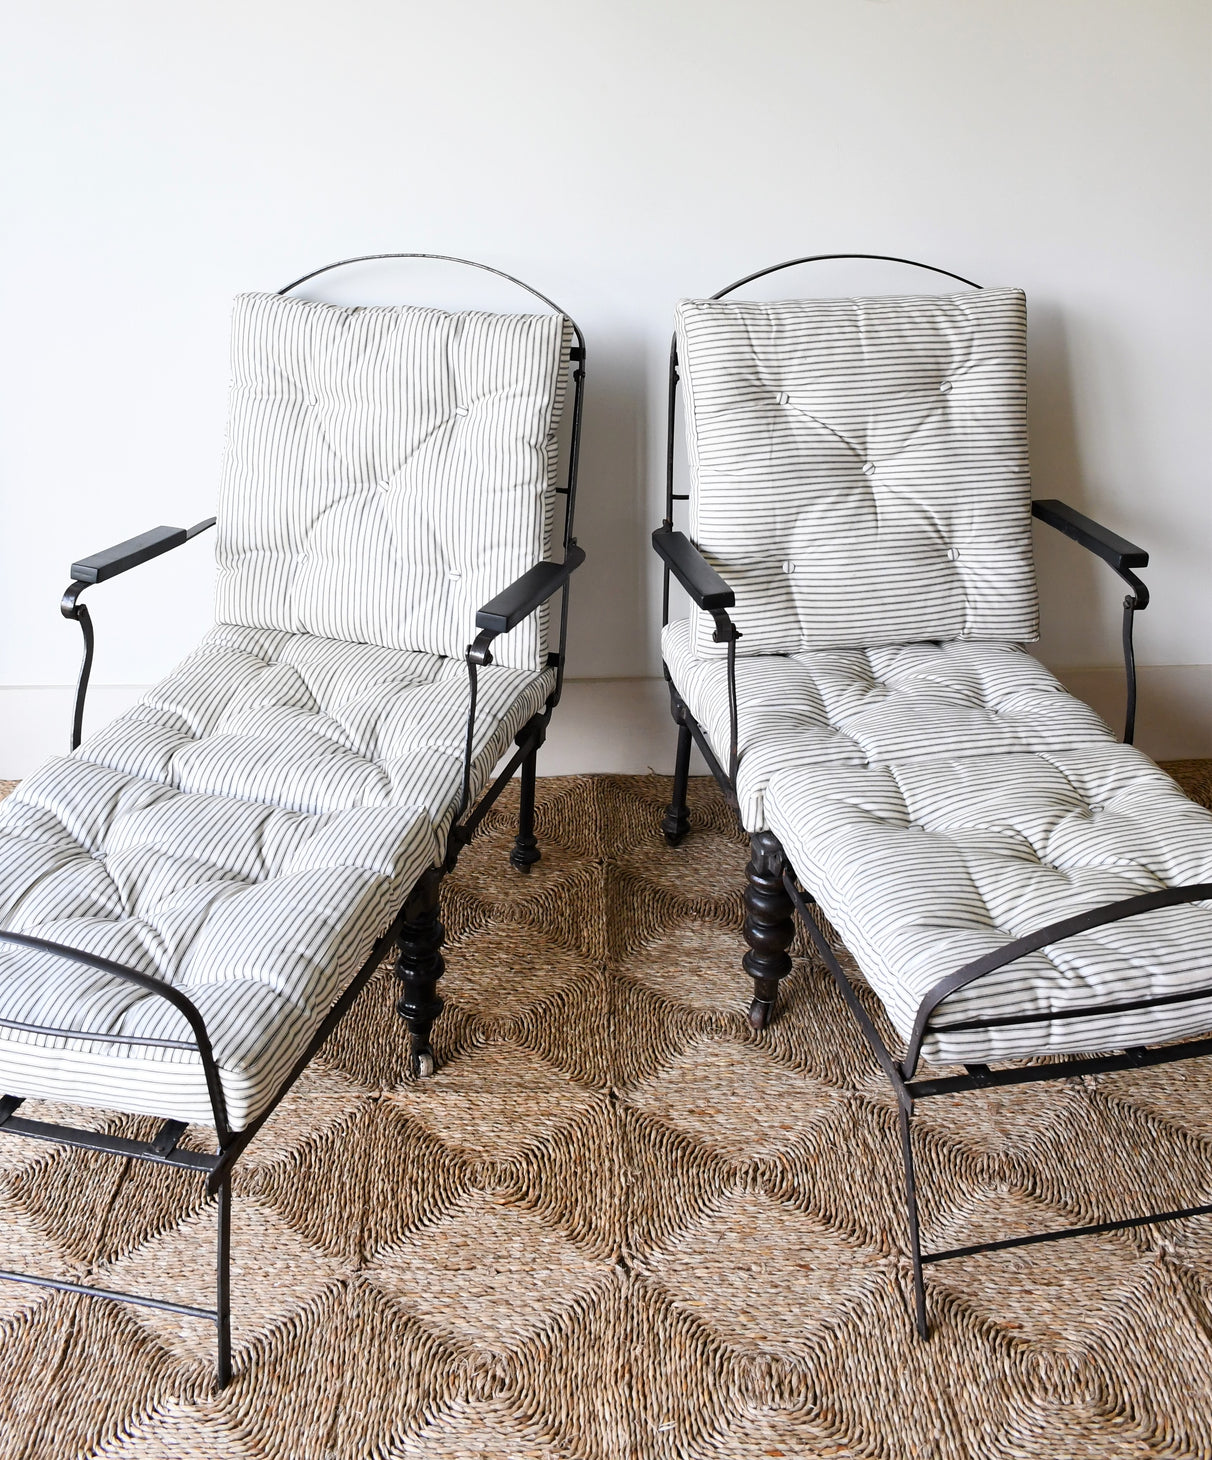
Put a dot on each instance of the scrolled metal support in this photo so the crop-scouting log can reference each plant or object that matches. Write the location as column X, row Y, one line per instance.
column 478, row 656
column 727, row 631
column 72, row 608
column 1134, row 603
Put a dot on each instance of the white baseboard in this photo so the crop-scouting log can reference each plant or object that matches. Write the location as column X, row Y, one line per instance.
column 623, row 725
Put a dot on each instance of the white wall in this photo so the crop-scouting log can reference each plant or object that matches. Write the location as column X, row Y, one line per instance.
column 159, row 158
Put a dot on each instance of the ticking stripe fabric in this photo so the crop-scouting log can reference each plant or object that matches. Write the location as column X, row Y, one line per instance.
column 923, row 865
column 250, row 828
column 939, row 800
column 245, row 832
column 387, row 471
column 827, row 707
column 859, row 468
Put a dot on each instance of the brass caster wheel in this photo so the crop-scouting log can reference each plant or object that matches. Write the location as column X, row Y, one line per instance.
column 759, row 1014
column 422, row 1065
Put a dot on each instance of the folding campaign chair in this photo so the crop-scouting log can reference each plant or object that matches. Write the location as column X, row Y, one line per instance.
column 193, row 898
column 1013, row 883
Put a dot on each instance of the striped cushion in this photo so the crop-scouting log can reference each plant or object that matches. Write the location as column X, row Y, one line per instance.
column 923, row 865
column 246, row 832
column 859, row 468
column 387, row 471
column 829, row 707
column 941, row 799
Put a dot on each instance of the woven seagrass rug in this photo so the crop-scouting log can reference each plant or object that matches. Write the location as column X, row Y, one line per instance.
column 618, row 1225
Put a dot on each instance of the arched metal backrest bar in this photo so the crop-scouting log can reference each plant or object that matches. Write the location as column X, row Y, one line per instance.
column 825, row 258
column 441, row 258
column 193, row 1018
column 578, row 378
column 816, row 258
column 1057, row 932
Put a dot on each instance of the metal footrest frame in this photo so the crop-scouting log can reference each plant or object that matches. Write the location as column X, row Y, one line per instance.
column 981, row 1077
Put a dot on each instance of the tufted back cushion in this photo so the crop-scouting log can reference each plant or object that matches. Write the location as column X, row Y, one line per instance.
column 859, row 467
column 387, row 471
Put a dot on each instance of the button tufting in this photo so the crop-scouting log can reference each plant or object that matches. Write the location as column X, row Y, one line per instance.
column 945, row 387
column 869, row 468
column 953, row 554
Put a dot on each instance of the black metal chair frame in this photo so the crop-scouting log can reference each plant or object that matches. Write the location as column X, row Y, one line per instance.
column 416, row 928
column 774, row 893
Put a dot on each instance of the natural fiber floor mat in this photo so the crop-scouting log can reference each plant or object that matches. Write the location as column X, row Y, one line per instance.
column 617, row 1225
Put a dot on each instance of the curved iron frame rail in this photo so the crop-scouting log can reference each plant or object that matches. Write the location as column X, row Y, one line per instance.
column 900, row 1072
column 983, row 1077
column 164, row 1148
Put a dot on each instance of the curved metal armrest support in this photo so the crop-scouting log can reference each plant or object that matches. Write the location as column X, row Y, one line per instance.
column 97, row 569
column 183, row 1005
column 1030, row 943
column 1122, row 556
column 498, row 616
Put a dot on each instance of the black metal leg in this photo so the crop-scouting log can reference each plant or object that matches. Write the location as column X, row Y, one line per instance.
column 677, row 820
column 223, row 1284
column 420, row 966
column 769, row 926
column 915, row 1236
column 525, row 851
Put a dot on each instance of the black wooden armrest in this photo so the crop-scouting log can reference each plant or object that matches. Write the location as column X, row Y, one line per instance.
column 132, row 552
column 522, row 597
column 692, row 570
column 498, row 616
column 1109, row 546
column 98, row 569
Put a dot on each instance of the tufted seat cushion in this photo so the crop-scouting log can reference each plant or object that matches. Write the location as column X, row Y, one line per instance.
column 939, row 800
column 318, row 725
column 859, row 469
column 799, row 712
column 246, row 832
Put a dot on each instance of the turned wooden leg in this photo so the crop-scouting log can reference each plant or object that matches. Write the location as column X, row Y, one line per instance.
column 420, row 966
column 769, row 924
column 677, row 820
column 525, row 852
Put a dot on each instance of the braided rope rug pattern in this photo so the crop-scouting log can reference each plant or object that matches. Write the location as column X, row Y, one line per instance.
column 619, row 1226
